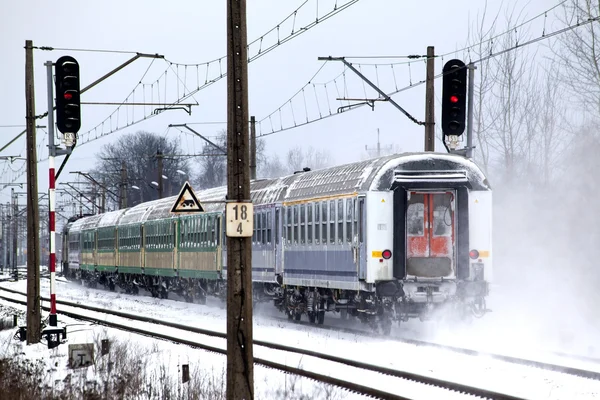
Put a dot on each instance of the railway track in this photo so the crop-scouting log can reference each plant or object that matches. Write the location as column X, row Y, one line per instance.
column 381, row 376
column 515, row 360
column 370, row 334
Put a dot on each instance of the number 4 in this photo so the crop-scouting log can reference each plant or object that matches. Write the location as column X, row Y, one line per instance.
column 239, row 228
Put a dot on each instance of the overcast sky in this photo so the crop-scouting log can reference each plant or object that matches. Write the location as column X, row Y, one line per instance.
column 192, row 32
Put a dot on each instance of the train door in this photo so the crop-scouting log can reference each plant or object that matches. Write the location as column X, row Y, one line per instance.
column 430, row 228
column 277, row 240
column 359, row 242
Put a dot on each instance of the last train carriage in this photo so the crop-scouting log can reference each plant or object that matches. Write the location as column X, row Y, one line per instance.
column 383, row 240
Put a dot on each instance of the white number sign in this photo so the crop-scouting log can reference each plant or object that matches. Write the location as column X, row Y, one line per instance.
column 240, row 219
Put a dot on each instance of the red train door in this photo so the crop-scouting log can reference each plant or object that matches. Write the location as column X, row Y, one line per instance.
column 430, row 234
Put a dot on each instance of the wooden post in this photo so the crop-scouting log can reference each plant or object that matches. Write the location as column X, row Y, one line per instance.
column 240, row 360
column 33, row 218
column 429, row 102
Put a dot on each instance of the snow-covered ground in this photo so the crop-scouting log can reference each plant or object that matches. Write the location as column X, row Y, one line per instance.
column 492, row 333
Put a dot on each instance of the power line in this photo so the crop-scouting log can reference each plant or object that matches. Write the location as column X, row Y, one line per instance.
column 50, row 48
column 467, row 48
column 341, row 110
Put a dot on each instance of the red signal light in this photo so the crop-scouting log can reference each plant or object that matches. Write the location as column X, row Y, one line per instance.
column 453, row 99
column 387, row 254
column 474, row 254
column 68, row 96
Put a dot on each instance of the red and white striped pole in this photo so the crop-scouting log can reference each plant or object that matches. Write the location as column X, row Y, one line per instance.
column 51, row 198
column 52, row 225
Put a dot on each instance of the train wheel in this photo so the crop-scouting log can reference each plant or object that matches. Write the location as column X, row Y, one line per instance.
column 298, row 316
column 312, row 317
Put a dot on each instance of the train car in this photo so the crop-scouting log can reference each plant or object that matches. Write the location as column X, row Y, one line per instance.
column 384, row 240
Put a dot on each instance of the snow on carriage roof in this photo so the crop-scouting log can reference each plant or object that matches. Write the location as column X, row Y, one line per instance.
column 373, row 174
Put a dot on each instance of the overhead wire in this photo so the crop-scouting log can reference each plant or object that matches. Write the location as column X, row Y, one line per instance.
column 421, row 82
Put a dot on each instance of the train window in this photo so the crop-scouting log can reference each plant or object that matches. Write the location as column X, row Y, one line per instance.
column 296, row 227
column 349, row 219
column 442, row 214
column 265, row 226
column 415, row 215
column 317, row 222
column 289, row 225
column 204, row 232
column 324, row 222
column 361, row 205
column 269, row 226
column 213, row 231
column 340, row 216
column 309, row 223
column 218, row 231
column 332, row 221
column 302, row 223
column 258, row 218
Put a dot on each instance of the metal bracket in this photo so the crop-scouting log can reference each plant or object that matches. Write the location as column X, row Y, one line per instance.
column 187, row 110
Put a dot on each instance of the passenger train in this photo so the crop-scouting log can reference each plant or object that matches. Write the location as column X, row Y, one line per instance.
column 383, row 240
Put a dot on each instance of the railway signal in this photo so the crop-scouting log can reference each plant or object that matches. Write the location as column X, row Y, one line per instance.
column 454, row 98
column 68, row 109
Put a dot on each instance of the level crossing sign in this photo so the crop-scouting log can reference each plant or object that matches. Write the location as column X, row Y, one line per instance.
column 187, row 201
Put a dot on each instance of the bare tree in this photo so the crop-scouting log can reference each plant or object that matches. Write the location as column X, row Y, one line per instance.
column 480, row 38
column 136, row 153
column 297, row 159
column 578, row 52
column 272, row 168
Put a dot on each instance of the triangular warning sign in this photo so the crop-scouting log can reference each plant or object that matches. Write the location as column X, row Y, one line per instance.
column 187, row 202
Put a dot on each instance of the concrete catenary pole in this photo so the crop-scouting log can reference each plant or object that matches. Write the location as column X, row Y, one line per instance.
column 240, row 359
column 33, row 218
column 429, row 102
column 252, row 147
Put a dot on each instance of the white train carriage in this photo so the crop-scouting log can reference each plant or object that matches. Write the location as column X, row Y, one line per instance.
column 388, row 238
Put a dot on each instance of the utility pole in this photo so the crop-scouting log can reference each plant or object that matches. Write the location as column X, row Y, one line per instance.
column 252, row 147
column 15, row 221
column 429, row 102
column 240, row 359
column 123, row 194
column 33, row 223
column 378, row 149
column 159, row 157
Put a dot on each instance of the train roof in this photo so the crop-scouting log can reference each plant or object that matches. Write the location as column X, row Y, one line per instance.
column 369, row 175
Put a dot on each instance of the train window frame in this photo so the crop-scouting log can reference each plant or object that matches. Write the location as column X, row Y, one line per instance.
column 332, row 220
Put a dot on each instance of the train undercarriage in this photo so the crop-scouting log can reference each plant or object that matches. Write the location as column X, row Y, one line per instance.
column 388, row 304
